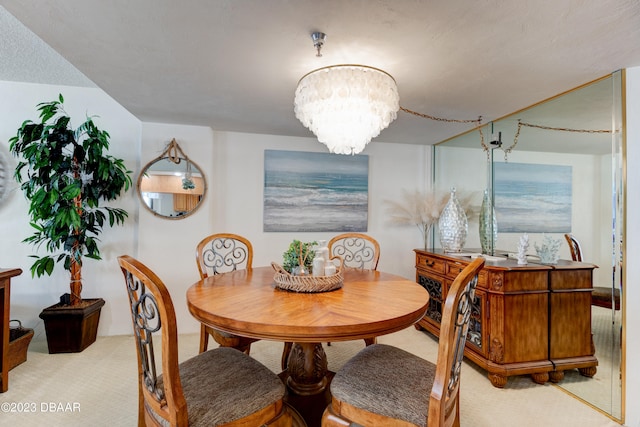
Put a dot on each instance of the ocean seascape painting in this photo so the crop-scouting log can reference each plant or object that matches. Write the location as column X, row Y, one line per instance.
column 533, row 198
column 307, row 191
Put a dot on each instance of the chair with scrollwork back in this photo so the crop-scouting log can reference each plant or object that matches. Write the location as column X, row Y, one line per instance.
column 357, row 250
column 386, row 386
column 222, row 386
column 601, row 296
column 217, row 254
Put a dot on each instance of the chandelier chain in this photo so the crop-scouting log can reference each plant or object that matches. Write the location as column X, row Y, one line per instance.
column 484, row 145
column 563, row 129
column 441, row 119
column 531, row 125
column 515, row 142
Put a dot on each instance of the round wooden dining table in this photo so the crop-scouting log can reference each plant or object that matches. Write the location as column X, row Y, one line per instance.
column 248, row 303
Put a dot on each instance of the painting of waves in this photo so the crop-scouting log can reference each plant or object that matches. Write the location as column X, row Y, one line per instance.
column 532, row 198
column 305, row 191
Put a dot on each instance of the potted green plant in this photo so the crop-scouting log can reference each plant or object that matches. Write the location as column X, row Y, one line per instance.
column 66, row 176
column 298, row 258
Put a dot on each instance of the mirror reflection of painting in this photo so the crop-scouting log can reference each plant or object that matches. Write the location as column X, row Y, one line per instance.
column 172, row 186
column 306, row 191
column 532, row 197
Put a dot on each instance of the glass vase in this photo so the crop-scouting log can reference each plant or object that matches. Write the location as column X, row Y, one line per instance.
column 453, row 225
column 300, row 270
column 488, row 225
column 426, row 228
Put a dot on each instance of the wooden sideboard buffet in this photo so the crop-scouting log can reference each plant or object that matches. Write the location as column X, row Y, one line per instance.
column 533, row 319
column 5, row 292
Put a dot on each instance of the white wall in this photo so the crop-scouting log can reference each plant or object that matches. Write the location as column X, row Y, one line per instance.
column 631, row 291
column 239, row 182
column 168, row 246
column 233, row 166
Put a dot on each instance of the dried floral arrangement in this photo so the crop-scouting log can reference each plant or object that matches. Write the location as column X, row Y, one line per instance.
column 419, row 208
column 423, row 208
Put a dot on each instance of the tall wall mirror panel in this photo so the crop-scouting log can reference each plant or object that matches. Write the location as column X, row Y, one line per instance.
column 554, row 169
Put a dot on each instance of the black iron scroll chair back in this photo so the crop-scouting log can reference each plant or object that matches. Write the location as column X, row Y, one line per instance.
column 455, row 329
column 384, row 385
column 202, row 390
column 357, row 250
column 151, row 312
column 217, row 254
column 223, row 252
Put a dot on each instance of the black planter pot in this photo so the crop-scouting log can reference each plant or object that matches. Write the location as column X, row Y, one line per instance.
column 71, row 329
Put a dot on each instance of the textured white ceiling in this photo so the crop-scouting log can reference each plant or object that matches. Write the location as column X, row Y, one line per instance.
column 26, row 58
column 234, row 64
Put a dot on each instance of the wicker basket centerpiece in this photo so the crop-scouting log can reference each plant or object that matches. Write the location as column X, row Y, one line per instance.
column 307, row 282
column 295, row 273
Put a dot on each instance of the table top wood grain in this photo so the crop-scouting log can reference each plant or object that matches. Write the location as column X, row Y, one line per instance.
column 247, row 303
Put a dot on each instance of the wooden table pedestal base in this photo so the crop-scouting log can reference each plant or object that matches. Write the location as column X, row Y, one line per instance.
column 310, row 407
column 307, row 368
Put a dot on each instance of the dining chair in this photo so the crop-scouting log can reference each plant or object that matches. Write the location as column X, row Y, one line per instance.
column 357, row 250
column 601, row 296
column 217, row 254
column 385, row 386
column 222, row 386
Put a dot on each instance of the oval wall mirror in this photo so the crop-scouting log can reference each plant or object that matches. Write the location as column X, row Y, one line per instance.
column 172, row 186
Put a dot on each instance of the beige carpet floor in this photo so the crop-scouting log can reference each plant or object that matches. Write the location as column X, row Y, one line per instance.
column 604, row 390
column 98, row 388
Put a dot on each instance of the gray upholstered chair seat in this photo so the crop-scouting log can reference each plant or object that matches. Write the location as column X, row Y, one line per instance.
column 239, row 385
column 384, row 385
column 388, row 381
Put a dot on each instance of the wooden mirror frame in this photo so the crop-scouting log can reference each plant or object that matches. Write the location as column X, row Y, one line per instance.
column 174, row 154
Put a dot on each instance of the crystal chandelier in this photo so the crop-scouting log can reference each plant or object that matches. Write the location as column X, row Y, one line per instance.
column 346, row 105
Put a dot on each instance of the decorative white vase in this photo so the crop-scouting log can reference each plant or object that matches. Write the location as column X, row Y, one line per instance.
column 318, row 264
column 300, row 270
column 453, row 225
